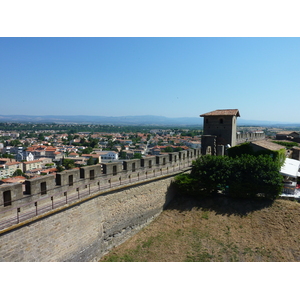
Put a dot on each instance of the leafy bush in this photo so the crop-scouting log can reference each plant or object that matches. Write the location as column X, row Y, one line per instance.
column 186, row 184
column 288, row 145
column 239, row 150
column 246, row 176
column 211, row 172
column 253, row 176
column 278, row 156
column 18, row 172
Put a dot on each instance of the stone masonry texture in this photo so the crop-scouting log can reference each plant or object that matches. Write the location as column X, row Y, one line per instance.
column 87, row 231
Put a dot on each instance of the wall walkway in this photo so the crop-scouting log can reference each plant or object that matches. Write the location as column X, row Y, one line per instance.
column 82, row 225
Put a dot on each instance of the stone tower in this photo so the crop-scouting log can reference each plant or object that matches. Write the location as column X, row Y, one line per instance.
column 219, row 131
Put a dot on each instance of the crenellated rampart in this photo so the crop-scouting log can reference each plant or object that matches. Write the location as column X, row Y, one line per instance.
column 82, row 213
column 242, row 137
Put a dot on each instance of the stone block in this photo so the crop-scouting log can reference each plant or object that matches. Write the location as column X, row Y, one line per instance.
column 131, row 165
column 10, row 193
column 91, row 172
column 40, row 185
column 148, row 162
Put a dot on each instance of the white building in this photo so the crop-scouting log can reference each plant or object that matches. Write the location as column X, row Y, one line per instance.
column 291, row 172
column 109, row 155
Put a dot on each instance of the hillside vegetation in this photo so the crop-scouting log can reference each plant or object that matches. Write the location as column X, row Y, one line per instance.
column 217, row 230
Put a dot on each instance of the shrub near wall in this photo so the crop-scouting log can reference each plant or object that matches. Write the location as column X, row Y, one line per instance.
column 277, row 155
column 212, row 173
column 254, row 176
column 246, row 176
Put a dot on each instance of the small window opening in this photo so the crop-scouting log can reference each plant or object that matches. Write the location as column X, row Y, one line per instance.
column 70, row 180
column 43, row 188
column 114, row 170
column 92, row 174
column 7, row 198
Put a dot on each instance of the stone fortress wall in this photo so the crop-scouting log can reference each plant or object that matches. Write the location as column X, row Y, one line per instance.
column 82, row 213
column 210, row 142
column 242, row 137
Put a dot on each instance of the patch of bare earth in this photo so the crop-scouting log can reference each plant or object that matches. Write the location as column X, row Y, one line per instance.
column 217, row 230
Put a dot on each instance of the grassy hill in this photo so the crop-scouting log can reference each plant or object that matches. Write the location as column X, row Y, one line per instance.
column 217, row 230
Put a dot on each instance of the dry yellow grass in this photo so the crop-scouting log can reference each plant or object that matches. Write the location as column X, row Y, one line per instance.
column 217, row 230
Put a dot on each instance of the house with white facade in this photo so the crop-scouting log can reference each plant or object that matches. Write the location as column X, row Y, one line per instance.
column 109, row 155
column 7, row 169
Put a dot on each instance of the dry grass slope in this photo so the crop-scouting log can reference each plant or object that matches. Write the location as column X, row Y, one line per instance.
column 217, row 230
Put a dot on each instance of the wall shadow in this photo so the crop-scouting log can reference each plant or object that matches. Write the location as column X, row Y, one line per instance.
column 171, row 195
column 220, row 204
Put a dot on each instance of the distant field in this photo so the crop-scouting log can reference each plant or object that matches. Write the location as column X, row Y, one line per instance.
column 217, row 230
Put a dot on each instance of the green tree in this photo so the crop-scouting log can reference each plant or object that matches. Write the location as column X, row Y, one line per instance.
column 68, row 163
column 90, row 161
column 212, row 173
column 59, row 168
column 245, row 176
column 41, row 137
column 255, row 175
column 178, row 149
column 87, row 150
column 15, row 143
column 5, row 155
column 93, row 143
column 168, row 149
column 137, row 155
column 122, row 155
column 18, row 172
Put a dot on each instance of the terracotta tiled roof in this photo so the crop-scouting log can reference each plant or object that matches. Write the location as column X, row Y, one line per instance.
column 268, row 145
column 14, row 179
column 91, row 155
column 222, row 112
column 13, row 163
column 32, row 162
column 51, row 170
column 287, row 133
column 5, row 159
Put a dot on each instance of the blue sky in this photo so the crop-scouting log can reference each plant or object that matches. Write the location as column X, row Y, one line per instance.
column 172, row 77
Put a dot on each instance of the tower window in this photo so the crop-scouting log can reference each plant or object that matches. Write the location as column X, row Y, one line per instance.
column 206, row 120
column 221, row 121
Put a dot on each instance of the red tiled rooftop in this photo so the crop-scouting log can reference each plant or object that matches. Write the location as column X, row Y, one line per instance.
column 33, row 161
column 222, row 112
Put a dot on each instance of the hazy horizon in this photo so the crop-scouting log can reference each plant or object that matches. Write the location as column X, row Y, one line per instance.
column 172, row 77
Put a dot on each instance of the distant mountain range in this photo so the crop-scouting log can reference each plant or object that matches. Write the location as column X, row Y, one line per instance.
column 128, row 120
